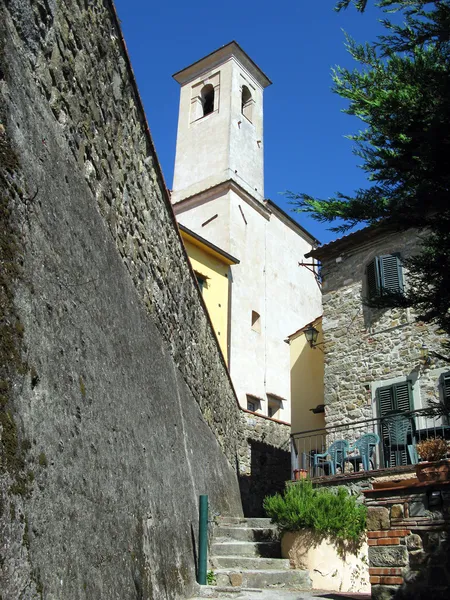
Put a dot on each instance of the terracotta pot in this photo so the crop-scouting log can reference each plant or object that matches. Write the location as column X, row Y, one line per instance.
column 300, row 474
column 433, row 471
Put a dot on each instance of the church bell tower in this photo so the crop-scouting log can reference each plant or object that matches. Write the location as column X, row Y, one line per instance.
column 220, row 125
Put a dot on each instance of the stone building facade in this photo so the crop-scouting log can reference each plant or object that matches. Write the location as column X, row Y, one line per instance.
column 366, row 348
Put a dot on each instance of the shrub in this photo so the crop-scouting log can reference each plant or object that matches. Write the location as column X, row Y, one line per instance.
column 432, row 449
column 303, row 507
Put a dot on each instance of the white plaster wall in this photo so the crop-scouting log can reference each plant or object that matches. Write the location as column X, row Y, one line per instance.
column 216, row 231
column 246, row 154
column 248, row 348
column 293, row 299
column 269, row 281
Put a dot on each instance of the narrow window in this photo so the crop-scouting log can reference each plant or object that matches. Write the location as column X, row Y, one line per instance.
column 256, row 321
column 384, row 276
column 207, row 95
column 253, row 403
column 246, row 103
column 201, row 281
column 274, row 406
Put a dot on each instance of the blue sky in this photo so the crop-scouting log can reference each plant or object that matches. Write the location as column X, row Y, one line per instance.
column 296, row 43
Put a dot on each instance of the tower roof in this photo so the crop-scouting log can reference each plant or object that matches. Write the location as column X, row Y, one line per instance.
column 218, row 57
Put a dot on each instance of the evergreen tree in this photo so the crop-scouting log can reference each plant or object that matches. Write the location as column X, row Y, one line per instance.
column 401, row 92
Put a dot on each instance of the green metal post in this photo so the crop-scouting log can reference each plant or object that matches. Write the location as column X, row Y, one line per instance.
column 202, row 539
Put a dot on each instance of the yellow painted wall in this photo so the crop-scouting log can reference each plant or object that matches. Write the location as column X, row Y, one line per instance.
column 307, row 374
column 215, row 291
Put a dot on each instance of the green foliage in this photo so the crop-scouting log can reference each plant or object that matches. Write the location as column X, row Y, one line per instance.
column 303, row 507
column 400, row 92
column 211, row 578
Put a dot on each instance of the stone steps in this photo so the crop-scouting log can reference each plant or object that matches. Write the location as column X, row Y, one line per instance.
column 246, row 553
column 248, row 562
column 228, row 547
column 247, row 534
column 262, row 578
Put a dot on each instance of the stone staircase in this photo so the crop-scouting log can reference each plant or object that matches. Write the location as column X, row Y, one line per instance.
column 246, row 553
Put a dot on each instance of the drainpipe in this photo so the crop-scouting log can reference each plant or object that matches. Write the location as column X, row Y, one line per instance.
column 202, row 539
column 294, row 458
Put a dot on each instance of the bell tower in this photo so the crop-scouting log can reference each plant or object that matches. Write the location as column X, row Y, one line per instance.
column 220, row 125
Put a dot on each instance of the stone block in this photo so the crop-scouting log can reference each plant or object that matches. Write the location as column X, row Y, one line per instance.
column 417, row 509
column 383, row 592
column 236, row 579
column 417, row 558
column 377, row 518
column 388, row 556
column 414, row 542
column 397, row 511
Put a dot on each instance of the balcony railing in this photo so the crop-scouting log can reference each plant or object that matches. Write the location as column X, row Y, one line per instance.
column 347, row 448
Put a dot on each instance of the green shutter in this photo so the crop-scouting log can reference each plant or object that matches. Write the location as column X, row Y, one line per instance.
column 397, row 396
column 385, row 399
column 446, row 388
column 403, row 396
column 391, row 277
column 373, row 279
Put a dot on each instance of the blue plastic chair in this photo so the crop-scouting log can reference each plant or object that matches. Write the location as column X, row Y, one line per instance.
column 400, row 431
column 337, row 453
column 365, row 445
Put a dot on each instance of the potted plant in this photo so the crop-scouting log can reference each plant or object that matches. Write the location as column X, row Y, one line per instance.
column 300, row 474
column 434, row 466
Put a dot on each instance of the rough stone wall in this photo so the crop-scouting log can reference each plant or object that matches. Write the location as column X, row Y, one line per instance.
column 116, row 409
column 408, row 543
column 264, row 460
column 365, row 345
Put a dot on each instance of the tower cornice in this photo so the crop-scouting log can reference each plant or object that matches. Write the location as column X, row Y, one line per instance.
column 219, row 56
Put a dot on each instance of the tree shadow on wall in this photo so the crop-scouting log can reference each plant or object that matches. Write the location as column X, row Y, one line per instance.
column 270, row 469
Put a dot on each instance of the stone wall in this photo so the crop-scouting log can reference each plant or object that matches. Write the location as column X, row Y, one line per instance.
column 116, row 409
column 365, row 346
column 408, row 542
column 264, row 460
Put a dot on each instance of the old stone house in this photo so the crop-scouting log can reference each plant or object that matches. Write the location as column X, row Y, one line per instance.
column 374, row 359
column 218, row 193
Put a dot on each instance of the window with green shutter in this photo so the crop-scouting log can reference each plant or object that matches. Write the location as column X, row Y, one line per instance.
column 395, row 397
column 445, row 385
column 384, row 276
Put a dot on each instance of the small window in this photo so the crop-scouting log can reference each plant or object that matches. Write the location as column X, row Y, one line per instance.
column 201, row 280
column 274, row 406
column 256, row 321
column 384, row 276
column 253, row 403
column 397, row 396
column 247, row 103
column 273, row 411
column 207, row 96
